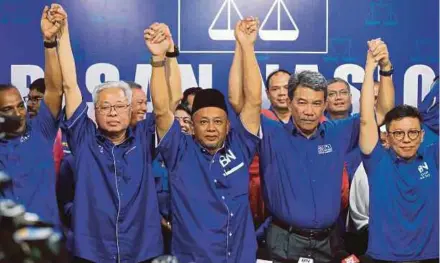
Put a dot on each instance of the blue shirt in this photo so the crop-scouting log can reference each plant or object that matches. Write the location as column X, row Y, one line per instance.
column 162, row 186
column 302, row 177
column 211, row 217
column 115, row 207
column 404, row 205
column 28, row 160
column 429, row 108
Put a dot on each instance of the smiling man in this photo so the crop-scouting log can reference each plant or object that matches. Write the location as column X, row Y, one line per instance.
column 339, row 99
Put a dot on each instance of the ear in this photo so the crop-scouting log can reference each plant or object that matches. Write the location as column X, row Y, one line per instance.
column 422, row 135
column 324, row 107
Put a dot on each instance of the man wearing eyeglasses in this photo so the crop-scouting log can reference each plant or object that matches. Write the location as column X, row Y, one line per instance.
column 34, row 97
column 404, row 184
column 115, row 213
column 338, row 99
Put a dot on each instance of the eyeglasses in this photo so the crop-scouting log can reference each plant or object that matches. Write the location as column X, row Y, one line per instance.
column 34, row 100
column 341, row 93
column 400, row 135
column 106, row 109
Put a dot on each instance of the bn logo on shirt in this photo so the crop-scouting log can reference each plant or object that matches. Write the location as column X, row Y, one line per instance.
column 424, row 171
column 324, row 149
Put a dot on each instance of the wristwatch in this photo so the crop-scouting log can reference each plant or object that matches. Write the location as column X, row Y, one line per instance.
column 157, row 64
column 387, row 73
column 50, row 44
column 174, row 54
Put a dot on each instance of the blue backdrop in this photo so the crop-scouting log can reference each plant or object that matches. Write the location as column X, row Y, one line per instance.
column 325, row 35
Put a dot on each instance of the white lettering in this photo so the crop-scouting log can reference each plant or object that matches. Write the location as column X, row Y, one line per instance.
column 95, row 72
column 357, row 76
column 301, row 67
column 226, row 159
column 411, row 83
column 20, row 74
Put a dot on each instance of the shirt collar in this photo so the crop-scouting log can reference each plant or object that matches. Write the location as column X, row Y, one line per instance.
column 397, row 159
column 320, row 130
column 101, row 137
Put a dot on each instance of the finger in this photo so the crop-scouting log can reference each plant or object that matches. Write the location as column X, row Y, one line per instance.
column 155, row 26
column 45, row 11
column 381, row 56
column 379, row 50
column 158, row 38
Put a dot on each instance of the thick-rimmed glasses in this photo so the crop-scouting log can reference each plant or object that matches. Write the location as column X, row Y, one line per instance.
column 106, row 109
column 33, row 100
column 400, row 135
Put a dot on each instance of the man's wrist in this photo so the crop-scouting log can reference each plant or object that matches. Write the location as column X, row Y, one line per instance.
column 386, row 67
column 158, row 58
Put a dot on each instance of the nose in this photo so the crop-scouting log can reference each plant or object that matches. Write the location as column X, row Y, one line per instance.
column 112, row 112
column 308, row 110
column 211, row 126
column 406, row 138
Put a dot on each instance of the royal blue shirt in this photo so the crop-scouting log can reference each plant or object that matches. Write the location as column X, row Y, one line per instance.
column 211, row 217
column 302, row 177
column 115, row 210
column 28, row 160
column 404, row 205
column 429, row 108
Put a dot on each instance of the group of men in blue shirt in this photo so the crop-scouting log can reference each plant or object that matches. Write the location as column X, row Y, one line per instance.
column 110, row 198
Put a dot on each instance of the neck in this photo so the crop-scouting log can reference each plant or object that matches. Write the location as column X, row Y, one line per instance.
column 338, row 115
column 116, row 138
column 282, row 113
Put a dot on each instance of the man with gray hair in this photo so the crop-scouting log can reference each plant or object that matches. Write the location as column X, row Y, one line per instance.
column 302, row 167
column 114, row 215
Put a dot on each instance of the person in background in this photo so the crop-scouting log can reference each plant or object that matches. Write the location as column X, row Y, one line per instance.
column 339, row 99
column 34, row 97
column 404, row 208
column 188, row 96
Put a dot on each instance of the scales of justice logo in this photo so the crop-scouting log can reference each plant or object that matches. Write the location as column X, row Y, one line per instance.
column 279, row 34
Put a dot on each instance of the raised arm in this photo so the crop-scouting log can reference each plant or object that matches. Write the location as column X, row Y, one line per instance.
column 235, row 87
column 385, row 100
column 68, row 69
column 368, row 136
column 158, row 43
column 174, row 80
column 250, row 114
column 52, row 71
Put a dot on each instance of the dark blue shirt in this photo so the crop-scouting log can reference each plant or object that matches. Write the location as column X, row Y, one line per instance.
column 162, row 185
column 115, row 207
column 302, row 177
column 28, row 160
column 404, row 205
column 211, row 217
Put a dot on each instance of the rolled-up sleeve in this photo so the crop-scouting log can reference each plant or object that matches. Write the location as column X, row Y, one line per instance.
column 47, row 123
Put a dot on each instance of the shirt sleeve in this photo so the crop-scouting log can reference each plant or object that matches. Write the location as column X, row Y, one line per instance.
column 429, row 108
column 350, row 128
column 372, row 160
column 46, row 123
column 172, row 146
column 247, row 141
column 58, row 153
column 78, row 127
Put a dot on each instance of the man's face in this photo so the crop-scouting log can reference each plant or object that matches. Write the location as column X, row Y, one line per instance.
column 11, row 104
column 277, row 91
column 190, row 100
column 138, row 106
column 211, row 126
column 33, row 102
column 339, row 98
column 112, row 110
column 185, row 121
column 405, row 136
column 307, row 108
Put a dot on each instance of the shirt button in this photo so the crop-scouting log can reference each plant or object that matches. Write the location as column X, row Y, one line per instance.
column 223, row 197
column 229, row 253
column 232, row 214
column 230, row 234
column 215, row 181
column 213, row 161
column 313, row 180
